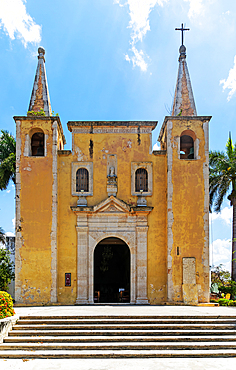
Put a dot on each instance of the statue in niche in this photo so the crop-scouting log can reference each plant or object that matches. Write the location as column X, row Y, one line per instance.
column 112, row 172
column 112, row 182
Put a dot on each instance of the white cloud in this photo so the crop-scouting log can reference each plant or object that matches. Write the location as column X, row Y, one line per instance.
column 9, row 233
column 196, row 8
column 137, row 59
column 14, row 222
column 156, row 146
column 16, row 22
column 225, row 215
column 230, row 83
column 8, row 191
column 221, row 253
column 139, row 11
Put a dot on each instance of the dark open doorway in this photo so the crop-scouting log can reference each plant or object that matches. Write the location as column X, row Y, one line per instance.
column 112, row 271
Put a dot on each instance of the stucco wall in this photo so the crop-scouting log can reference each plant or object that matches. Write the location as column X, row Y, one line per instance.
column 188, row 211
column 128, row 148
column 34, row 222
column 179, row 201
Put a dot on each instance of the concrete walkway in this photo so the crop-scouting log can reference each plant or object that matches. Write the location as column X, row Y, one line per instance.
column 124, row 364
column 117, row 310
column 121, row 364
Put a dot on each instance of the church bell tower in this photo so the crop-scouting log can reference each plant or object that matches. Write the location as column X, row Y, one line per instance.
column 184, row 136
column 39, row 135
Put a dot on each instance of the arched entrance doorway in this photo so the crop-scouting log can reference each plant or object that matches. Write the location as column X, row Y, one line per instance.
column 112, row 271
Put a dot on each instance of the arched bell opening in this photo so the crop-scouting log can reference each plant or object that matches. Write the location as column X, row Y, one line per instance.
column 112, row 271
column 187, row 140
column 37, row 144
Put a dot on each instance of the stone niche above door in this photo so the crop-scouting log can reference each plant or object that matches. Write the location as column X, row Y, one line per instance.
column 111, row 218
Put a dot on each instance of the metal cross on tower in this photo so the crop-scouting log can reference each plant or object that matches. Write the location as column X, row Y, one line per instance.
column 182, row 29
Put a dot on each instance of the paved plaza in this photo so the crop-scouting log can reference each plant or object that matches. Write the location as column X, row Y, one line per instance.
column 117, row 310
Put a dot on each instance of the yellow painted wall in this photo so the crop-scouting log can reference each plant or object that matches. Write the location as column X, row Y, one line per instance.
column 36, row 209
column 188, row 209
column 36, row 217
column 127, row 149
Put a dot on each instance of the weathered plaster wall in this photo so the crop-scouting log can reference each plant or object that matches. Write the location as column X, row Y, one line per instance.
column 157, row 234
column 39, row 256
column 128, row 147
column 66, row 235
column 189, row 228
column 35, row 219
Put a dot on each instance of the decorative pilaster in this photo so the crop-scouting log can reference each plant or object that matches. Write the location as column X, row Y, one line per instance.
column 18, row 245
column 170, row 216
column 141, row 234
column 54, row 217
column 82, row 259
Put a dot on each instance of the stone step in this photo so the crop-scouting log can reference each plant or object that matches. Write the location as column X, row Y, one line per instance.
column 20, row 354
column 126, row 327
column 119, row 346
column 87, row 339
column 120, row 337
column 119, row 332
column 69, row 321
column 149, row 317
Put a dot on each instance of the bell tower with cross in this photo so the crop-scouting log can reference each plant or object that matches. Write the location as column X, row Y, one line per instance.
column 184, row 136
column 39, row 136
column 182, row 29
column 184, row 103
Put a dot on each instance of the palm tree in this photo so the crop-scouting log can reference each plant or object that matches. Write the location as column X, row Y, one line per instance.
column 7, row 159
column 222, row 181
column 2, row 236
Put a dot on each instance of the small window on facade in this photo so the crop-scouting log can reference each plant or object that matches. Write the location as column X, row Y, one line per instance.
column 186, row 147
column 82, row 180
column 141, row 180
column 37, row 144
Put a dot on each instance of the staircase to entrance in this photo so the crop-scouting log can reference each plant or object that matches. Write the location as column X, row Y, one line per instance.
column 121, row 336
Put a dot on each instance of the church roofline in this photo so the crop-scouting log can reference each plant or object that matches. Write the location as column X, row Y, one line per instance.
column 182, row 118
column 44, row 118
column 141, row 124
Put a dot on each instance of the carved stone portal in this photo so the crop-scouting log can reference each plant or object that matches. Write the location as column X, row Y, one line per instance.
column 111, row 218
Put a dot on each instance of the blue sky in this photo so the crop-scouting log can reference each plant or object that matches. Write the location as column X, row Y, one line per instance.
column 118, row 60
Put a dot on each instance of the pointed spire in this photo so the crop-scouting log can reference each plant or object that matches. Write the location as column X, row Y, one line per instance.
column 40, row 94
column 184, row 104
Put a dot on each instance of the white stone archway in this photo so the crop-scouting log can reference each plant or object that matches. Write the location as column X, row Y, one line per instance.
column 112, row 218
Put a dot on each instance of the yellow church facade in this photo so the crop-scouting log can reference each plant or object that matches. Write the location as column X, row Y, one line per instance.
column 111, row 220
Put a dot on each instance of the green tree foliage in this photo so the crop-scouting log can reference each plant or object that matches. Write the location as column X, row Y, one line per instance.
column 222, row 181
column 220, row 276
column 7, row 159
column 6, row 269
column 2, row 236
column 229, row 287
